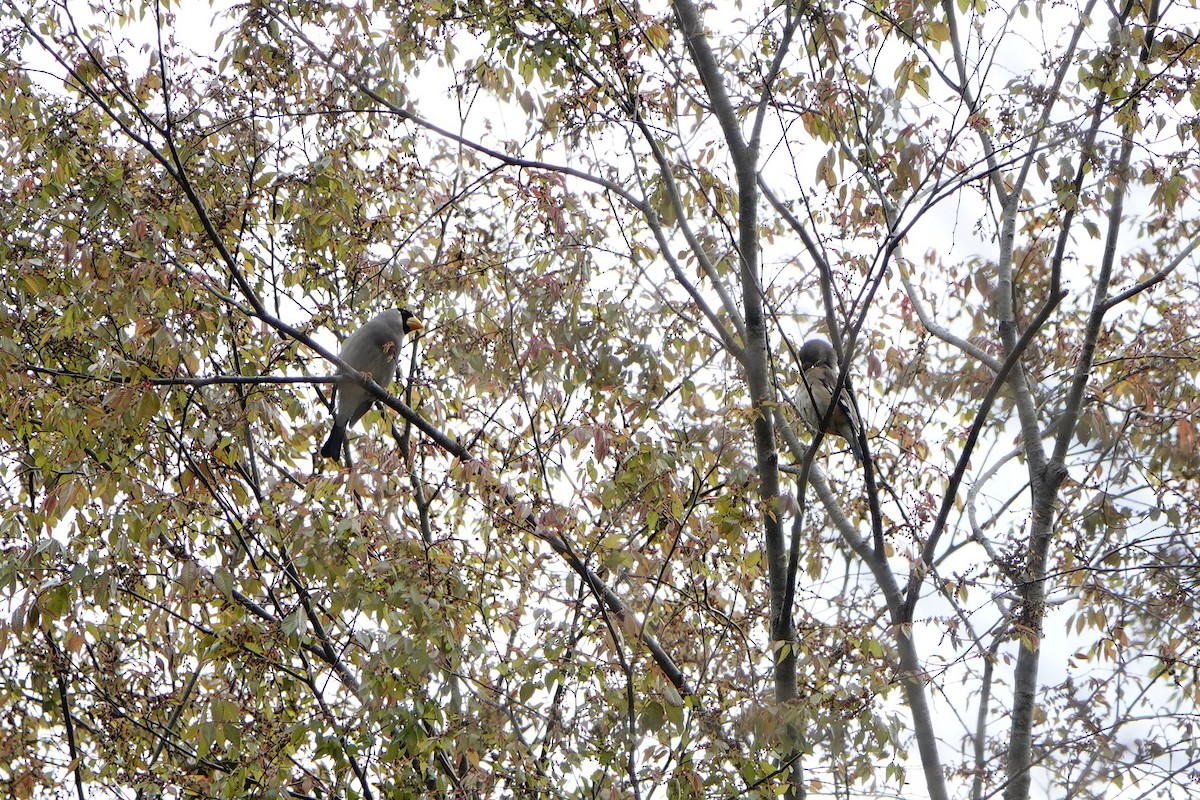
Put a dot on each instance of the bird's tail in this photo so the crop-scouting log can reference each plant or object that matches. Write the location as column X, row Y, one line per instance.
column 333, row 445
column 856, row 448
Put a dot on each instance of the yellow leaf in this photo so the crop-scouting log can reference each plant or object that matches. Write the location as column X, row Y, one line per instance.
column 658, row 36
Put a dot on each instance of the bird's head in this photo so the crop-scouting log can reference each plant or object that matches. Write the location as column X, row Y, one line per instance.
column 410, row 321
column 818, row 352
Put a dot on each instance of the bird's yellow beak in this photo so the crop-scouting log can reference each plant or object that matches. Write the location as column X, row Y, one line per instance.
column 415, row 324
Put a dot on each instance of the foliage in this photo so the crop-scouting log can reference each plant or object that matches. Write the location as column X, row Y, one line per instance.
column 583, row 551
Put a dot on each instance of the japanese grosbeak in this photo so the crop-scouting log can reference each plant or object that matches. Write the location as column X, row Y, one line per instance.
column 372, row 351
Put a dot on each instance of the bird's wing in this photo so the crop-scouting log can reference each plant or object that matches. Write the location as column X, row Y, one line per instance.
column 848, row 405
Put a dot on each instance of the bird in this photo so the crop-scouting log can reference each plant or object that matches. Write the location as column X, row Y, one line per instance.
column 371, row 351
column 818, row 379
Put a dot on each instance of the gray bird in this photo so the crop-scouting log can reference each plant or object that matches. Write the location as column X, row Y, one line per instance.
column 818, row 379
column 371, row 350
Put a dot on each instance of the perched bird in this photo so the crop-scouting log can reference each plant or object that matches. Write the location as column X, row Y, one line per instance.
column 818, row 379
column 372, row 351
